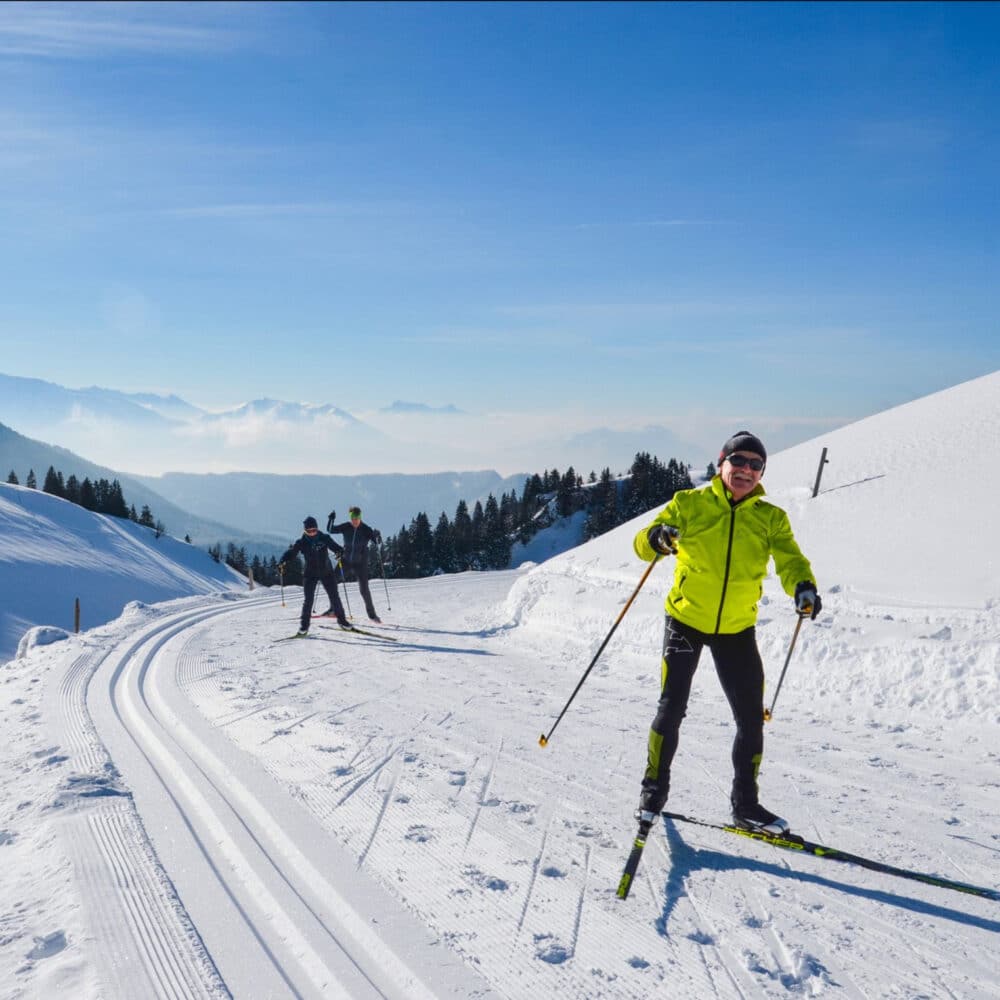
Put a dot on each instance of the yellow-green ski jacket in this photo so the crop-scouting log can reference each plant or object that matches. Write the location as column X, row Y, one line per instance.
column 722, row 556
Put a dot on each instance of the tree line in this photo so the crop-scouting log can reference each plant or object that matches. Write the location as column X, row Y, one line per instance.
column 99, row 495
column 484, row 538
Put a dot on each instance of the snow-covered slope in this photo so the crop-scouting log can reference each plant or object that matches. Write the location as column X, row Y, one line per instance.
column 53, row 552
column 907, row 501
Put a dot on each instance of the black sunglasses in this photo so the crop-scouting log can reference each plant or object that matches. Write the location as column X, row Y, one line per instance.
column 741, row 461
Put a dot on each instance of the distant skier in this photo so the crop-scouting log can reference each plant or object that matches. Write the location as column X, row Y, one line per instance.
column 723, row 536
column 357, row 536
column 315, row 547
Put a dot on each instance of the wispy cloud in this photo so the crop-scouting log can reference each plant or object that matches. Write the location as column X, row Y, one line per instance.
column 81, row 31
column 650, row 224
column 277, row 209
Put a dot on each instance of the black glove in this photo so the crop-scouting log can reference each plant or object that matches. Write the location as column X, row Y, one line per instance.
column 663, row 538
column 331, row 521
column 807, row 601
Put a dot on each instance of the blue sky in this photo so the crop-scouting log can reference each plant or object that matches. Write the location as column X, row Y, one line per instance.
column 591, row 215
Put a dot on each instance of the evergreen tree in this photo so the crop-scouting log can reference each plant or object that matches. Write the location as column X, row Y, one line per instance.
column 476, row 560
column 31, row 482
column 637, row 491
column 533, row 488
column 87, row 498
column 422, row 539
column 496, row 546
column 146, row 517
column 566, row 493
column 443, row 549
column 116, row 501
column 603, row 512
column 51, row 484
column 73, row 489
column 404, row 563
column 462, row 535
column 12, row 478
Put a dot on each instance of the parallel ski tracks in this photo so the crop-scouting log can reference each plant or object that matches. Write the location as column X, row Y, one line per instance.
column 146, row 942
column 302, row 938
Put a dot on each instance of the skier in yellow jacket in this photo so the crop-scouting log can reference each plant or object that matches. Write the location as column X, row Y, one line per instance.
column 723, row 535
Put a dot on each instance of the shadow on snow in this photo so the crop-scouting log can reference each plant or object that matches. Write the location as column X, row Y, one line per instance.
column 686, row 860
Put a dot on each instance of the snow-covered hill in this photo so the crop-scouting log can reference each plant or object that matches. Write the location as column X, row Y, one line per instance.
column 53, row 552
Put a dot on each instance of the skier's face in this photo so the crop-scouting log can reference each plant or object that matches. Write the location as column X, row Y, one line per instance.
column 741, row 480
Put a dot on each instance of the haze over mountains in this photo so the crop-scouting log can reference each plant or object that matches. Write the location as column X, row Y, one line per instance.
column 21, row 454
column 148, row 434
column 260, row 511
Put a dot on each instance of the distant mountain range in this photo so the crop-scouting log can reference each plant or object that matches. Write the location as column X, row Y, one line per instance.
column 268, row 509
column 150, row 434
column 270, row 505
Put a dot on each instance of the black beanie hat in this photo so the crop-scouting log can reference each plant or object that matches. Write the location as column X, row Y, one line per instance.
column 743, row 441
column 310, row 522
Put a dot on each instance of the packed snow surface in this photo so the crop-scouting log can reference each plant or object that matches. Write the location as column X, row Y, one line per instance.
column 196, row 805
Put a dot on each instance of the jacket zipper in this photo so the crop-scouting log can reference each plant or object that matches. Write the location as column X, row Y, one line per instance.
column 725, row 576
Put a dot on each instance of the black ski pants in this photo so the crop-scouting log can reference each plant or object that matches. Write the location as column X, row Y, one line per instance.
column 741, row 674
column 360, row 571
column 309, row 584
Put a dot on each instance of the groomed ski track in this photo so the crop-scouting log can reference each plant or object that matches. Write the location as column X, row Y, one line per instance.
column 271, row 905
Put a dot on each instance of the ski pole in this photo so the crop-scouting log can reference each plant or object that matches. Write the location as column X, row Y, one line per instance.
column 347, row 597
column 543, row 740
column 378, row 549
column 281, row 578
column 768, row 711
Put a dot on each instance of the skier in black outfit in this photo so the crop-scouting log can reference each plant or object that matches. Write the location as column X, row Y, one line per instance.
column 357, row 536
column 315, row 547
